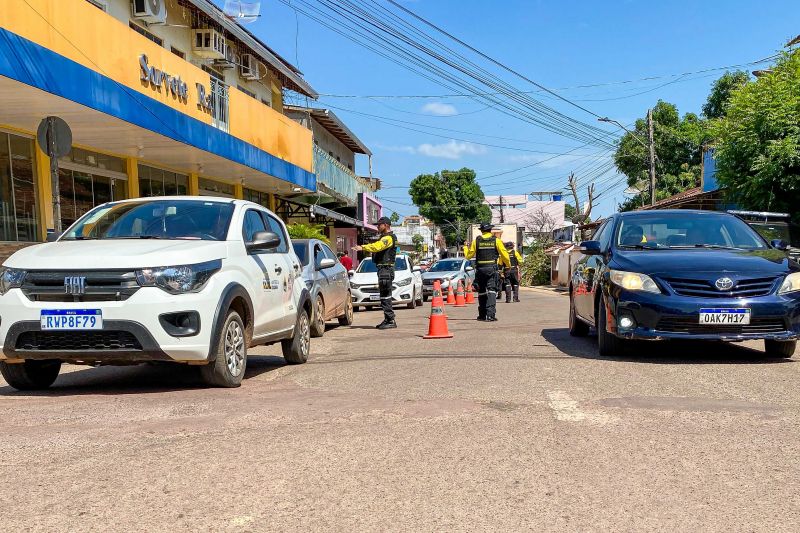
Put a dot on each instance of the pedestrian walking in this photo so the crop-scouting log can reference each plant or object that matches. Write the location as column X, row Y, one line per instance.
column 346, row 262
column 512, row 273
column 487, row 250
column 383, row 252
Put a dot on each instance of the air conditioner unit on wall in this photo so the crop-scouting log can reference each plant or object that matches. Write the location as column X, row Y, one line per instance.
column 231, row 59
column 249, row 67
column 209, row 43
column 150, row 11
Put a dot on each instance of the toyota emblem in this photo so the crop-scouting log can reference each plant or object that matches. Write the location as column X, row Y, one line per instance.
column 724, row 284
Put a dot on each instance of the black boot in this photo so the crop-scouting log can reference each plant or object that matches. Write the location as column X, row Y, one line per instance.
column 387, row 325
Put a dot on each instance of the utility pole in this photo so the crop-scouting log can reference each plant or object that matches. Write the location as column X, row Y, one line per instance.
column 502, row 218
column 652, row 150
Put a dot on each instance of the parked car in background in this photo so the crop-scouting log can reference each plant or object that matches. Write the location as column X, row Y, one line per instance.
column 447, row 271
column 407, row 287
column 175, row 279
column 680, row 274
column 774, row 226
column 328, row 284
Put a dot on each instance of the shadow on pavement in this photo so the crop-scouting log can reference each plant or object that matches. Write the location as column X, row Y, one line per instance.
column 664, row 352
column 139, row 379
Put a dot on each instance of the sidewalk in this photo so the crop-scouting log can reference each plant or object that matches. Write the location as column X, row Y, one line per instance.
column 546, row 288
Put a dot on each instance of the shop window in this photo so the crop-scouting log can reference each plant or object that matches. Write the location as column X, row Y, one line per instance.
column 158, row 182
column 81, row 191
column 215, row 188
column 95, row 160
column 18, row 206
column 258, row 197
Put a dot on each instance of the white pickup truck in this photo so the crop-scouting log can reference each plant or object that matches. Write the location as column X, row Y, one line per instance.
column 177, row 279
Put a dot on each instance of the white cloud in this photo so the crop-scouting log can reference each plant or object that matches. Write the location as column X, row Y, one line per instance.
column 440, row 109
column 451, row 149
column 396, row 148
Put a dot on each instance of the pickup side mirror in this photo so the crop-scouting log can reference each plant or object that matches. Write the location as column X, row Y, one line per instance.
column 780, row 244
column 590, row 248
column 351, row 272
column 263, row 241
column 469, row 268
column 416, row 269
column 324, row 263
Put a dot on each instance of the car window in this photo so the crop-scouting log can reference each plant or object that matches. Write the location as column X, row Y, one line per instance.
column 301, row 250
column 319, row 253
column 277, row 228
column 400, row 264
column 446, row 265
column 253, row 223
column 367, row 266
column 605, row 234
column 689, row 230
column 329, row 253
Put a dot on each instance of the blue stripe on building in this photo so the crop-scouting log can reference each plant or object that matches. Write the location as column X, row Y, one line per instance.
column 29, row 63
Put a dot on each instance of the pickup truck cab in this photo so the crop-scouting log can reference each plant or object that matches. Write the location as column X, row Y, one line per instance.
column 174, row 279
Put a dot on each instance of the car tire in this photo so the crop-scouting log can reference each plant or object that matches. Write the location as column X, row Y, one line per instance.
column 227, row 369
column 347, row 318
column 31, row 375
column 425, row 298
column 295, row 350
column 609, row 345
column 780, row 349
column 318, row 320
column 577, row 327
column 420, row 300
column 356, row 309
column 413, row 303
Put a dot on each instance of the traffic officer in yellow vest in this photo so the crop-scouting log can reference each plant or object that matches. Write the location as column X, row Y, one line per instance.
column 512, row 273
column 488, row 251
column 383, row 254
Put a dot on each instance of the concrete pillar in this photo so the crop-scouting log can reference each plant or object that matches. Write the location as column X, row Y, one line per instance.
column 194, row 184
column 44, row 196
column 238, row 191
column 272, row 203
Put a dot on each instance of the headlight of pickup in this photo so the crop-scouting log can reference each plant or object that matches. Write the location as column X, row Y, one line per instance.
column 354, row 285
column 404, row 282
column 634, row 281
column 791, row 283
column 179, row 279
column 11, row 278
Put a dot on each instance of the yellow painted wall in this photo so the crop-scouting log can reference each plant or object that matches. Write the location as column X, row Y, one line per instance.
column 81, row 32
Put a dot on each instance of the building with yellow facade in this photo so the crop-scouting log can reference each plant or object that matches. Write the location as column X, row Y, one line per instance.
column 163, row 97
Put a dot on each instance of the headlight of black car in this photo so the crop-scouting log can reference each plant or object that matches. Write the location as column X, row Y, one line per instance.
column 633, row 281
column 179, row 279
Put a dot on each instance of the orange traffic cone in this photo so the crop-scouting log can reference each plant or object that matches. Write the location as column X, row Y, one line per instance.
column 451, row 298
column 460, row 301
column 470, row 293
column 437, row 325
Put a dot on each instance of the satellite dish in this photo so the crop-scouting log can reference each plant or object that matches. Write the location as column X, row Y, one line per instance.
column 243, row 12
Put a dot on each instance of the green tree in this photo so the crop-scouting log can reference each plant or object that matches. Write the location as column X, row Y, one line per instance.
column 678, row 146
column 569, row 211
column 419, row 242
column 758, row 140
column 721, row 92
column 394, row 218
column 452, row 199
column 307, row 231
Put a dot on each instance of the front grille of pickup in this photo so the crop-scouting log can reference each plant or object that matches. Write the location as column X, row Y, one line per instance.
column 78, row 341
column 690, row 324
column 744, row 288
column 100, row 286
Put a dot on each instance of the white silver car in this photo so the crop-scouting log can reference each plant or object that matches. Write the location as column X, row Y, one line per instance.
column 406, row 289
column 447, row 271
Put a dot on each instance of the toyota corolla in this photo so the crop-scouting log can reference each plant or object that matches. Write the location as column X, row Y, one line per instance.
column 679, row 274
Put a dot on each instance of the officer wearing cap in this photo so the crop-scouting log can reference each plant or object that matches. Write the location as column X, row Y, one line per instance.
column 488, row 251
column 383, row 254
column 512, row 274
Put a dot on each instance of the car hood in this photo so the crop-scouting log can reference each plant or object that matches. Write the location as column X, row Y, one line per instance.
column 115, row 254
column 666, row 262
column 440, row 275
column 367, row 278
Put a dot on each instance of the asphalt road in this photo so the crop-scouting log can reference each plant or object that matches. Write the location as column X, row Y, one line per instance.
column 508, row 426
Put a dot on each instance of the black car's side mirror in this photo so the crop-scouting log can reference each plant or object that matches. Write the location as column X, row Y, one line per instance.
column 263, row 241
column 590, row 248
column 780, row 244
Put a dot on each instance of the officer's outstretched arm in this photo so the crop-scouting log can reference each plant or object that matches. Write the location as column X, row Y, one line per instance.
column 378, row 246
column 469, row 251
column 501, row 249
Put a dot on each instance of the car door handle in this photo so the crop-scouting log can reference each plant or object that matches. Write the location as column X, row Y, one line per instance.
column 278, row 270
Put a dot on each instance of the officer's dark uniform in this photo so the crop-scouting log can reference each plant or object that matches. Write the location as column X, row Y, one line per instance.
column 383, row 254
column 487, row 250
column 512, row 275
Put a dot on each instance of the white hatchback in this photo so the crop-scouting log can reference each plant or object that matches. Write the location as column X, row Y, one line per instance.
column 406, row 289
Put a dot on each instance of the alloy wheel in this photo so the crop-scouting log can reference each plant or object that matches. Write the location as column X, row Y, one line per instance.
column 234, row 348
column 305, row 334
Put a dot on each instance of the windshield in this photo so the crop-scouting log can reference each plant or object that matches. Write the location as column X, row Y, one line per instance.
column 772, row 230
column 689, row 230
column 159, row 219
column 447, row 265
column 301, row 249
column 368, row 265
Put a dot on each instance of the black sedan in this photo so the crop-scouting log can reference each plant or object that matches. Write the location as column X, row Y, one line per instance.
column 679, row 274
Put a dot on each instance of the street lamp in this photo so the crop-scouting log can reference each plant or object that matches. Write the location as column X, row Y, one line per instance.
column 649, row 146
column 622, row 126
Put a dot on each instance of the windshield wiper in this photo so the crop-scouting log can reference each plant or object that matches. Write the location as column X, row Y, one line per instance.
column 708, row 246
column 640, row 246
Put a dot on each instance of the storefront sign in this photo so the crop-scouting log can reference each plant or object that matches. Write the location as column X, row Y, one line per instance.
column 159, row 78
column 369, row 210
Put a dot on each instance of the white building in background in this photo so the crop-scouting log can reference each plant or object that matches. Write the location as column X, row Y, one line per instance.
column 535, row 217
column 416, row 225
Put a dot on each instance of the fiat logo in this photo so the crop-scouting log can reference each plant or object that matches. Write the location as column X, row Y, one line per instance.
column 724, row 284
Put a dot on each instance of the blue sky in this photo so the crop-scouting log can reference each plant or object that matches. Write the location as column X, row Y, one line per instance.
column 561, row 45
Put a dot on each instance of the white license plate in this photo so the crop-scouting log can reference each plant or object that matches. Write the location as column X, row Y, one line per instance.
column 374, row 297
column 71, row 319
column 727, row 317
